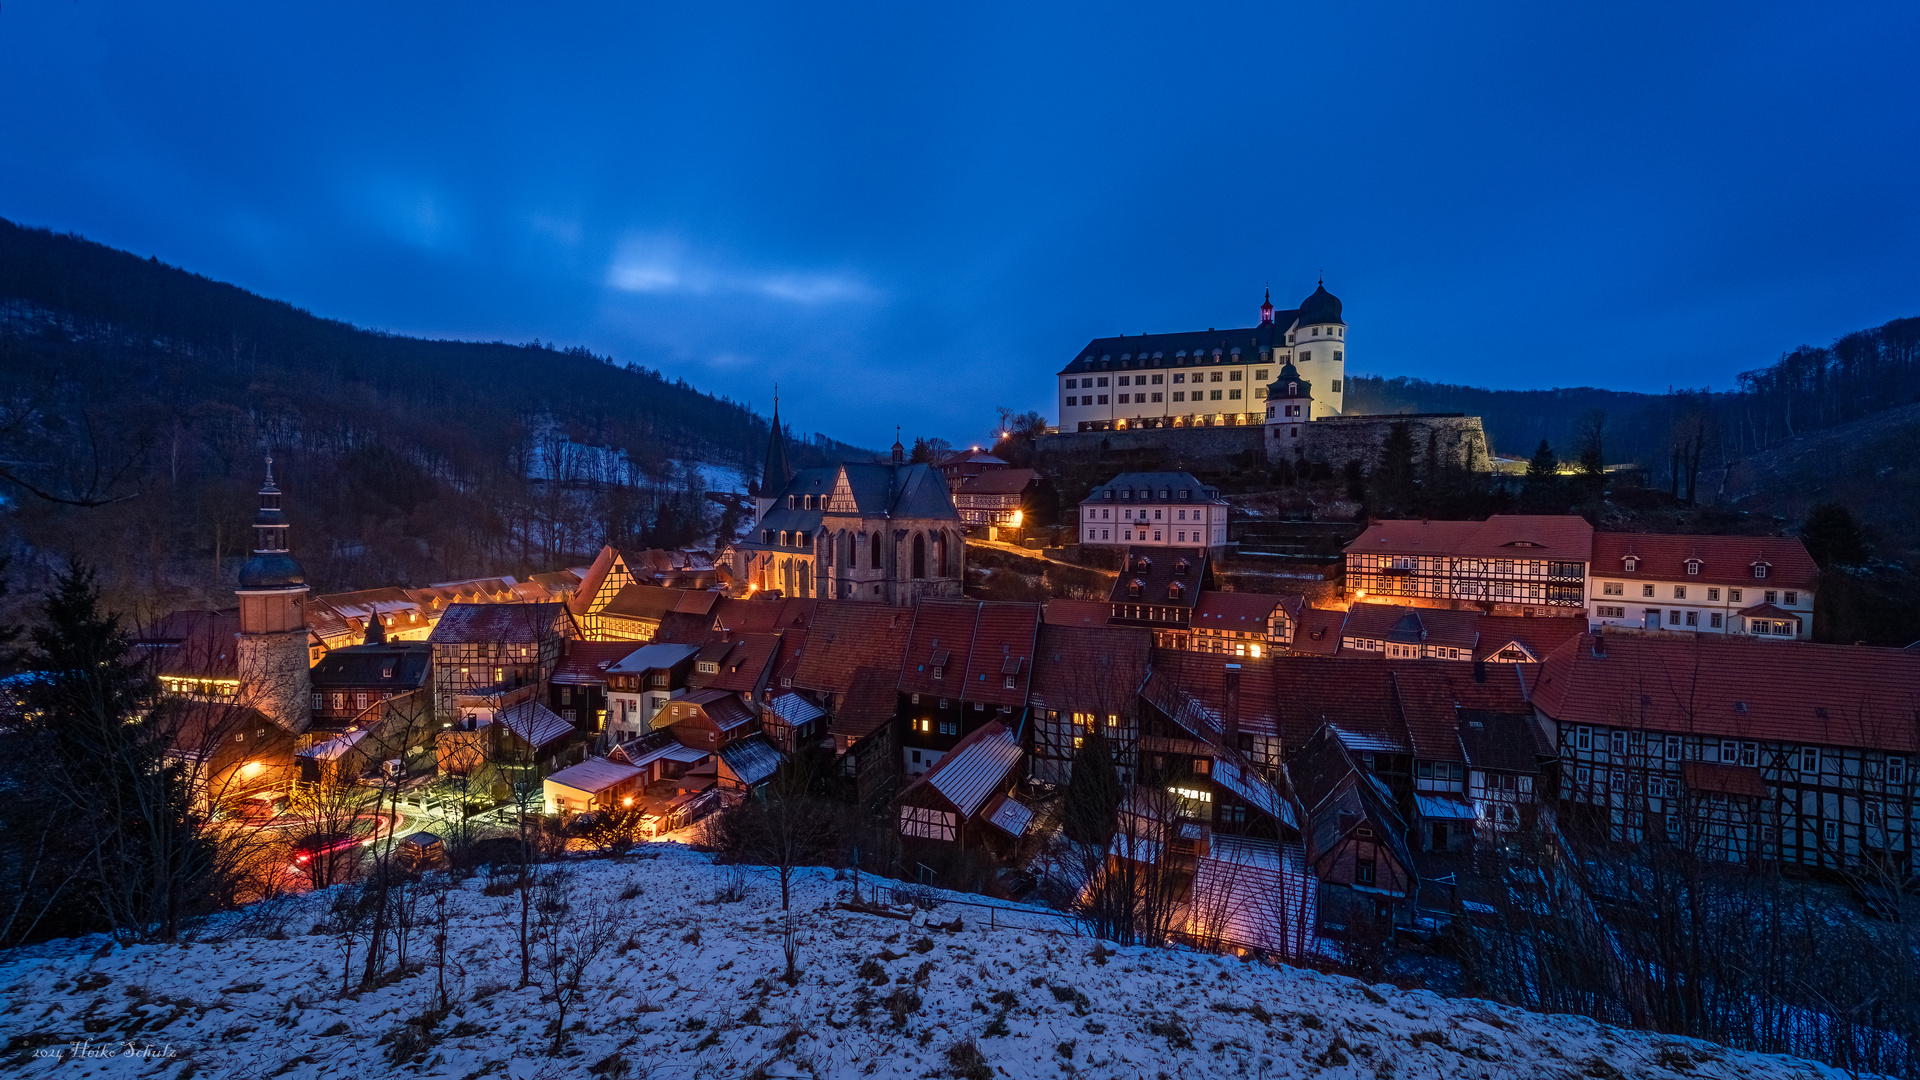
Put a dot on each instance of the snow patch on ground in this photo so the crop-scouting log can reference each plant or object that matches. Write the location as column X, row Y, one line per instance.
column 697, row 993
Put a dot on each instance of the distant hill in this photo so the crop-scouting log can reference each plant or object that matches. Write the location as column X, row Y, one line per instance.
column 158, row 392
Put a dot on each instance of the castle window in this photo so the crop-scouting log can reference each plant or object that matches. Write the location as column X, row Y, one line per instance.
column 1070, row 384
column 1260, row 375
column 1336, row 356
column 1179, row 377
column 1216, row 377
column 1336, row 386
column 1233, row 376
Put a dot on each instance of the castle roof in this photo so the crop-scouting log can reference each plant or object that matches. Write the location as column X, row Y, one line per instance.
column 1321, row 307
column 1184, row 349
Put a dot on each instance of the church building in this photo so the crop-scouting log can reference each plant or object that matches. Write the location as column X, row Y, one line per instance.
column 885, row 532
column 1209, row 378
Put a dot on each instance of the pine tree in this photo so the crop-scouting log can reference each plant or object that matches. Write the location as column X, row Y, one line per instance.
column 1542, row 492
column 1393, row 486
column 1093, row 791
column 1833, row 536
column 102, row 724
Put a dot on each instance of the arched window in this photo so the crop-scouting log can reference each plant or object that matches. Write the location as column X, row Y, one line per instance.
column 876, row 551
column 846, row 550
column 919, row 555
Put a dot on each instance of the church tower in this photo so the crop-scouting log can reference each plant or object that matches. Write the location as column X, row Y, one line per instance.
column 775, row 477
column 275, row 677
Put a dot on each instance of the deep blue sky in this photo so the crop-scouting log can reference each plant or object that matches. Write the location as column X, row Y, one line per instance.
column 911, row 213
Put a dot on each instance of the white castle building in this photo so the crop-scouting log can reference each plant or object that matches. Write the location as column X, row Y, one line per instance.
column 1207, row 378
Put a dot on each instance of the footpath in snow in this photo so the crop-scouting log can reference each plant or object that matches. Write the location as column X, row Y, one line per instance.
column 691, row 988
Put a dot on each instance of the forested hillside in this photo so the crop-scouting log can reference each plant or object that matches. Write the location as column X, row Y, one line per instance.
column 1683, row 431
column 140, row 400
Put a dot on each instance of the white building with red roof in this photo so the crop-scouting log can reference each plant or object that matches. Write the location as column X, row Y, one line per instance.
column 1762, row 586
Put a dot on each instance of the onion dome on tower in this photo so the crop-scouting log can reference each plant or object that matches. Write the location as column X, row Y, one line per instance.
column 1321, row 307
column 272, row 565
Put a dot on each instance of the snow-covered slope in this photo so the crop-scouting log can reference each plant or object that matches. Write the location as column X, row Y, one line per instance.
column 693, row 990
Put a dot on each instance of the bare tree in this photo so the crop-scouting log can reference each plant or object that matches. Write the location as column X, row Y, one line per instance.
column 571, row 936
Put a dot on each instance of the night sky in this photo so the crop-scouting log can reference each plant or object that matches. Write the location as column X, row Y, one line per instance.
column 911, row 213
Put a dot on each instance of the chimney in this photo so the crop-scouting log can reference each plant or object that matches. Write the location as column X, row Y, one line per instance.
column 1599, row 645
column 1232, row 719
column 1479, row 675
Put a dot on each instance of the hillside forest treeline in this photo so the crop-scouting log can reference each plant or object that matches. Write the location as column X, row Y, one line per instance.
column 137, row 402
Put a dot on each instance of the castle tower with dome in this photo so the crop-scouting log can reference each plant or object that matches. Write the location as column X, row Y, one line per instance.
column 275, row 676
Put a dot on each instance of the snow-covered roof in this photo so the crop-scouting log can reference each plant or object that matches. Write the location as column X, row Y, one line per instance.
column 593, row 775
column 1444, row 807
column 795, row 709
column 1253, row 789
column 973, row 771
column 335, row 748
column 1367, row 742
column 1007, row 815
column 534, row 724
column 752, row 759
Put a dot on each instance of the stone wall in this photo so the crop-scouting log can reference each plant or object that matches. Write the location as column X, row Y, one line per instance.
column 1333, row 441
column 1191, row 443
column 1452, row 437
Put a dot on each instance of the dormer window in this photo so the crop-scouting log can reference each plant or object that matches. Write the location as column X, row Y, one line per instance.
column 1293, row 389
column 1134, row 588
column 1180, row 568
column 1693, row 567
column 1183, row 494
column 1163, row 494
column 1175, row 589
column 1109, row 495
column 1631, row 563
column 1759, row 569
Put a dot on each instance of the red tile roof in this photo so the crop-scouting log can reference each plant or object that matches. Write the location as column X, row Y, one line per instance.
column 1729, row 686
column 743, row 668
column 847, row 635
column 1245, row 612
column 1503, row 536
column 1438, row 627
column 1724, row 560
column 868, row 702
column 1094, row 669
column 1433, row 693
column 1003, row 649
column 1078, row 612
column 974, row 645
column 999, row 482
column 1539, row 636
column 1316, row 631
column 586, row 662
column 1203, row 677
column 193, row 644
column 1355, row 694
